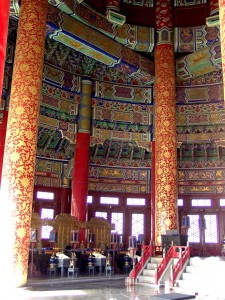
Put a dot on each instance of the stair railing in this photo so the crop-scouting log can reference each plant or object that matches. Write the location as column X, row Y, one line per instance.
column 178, row 267
column 147, row 252
column 163, row 264
column 173, row 253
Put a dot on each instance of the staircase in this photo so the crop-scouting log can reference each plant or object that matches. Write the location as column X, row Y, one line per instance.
column 148, row 273
column 203, row 275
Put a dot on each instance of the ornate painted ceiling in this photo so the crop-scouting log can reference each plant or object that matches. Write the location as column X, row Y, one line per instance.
column 80, row 41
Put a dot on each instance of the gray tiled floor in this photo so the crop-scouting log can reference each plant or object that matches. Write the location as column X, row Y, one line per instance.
column 99, row 288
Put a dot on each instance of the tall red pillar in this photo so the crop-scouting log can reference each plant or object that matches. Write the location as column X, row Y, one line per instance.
column 82, row 152
column 166, row 191
column 153, row 193
column 4, row 22
column 20, row 146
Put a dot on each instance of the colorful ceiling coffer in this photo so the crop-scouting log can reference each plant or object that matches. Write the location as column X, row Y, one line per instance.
column 202, row 118
column 137, row 38
column 202, row 155
column 202, row 189
column 57, row 54
column 195, row 137
column 146, row 3
column 55, row 144
column 215, row 128
column 202, row 108
column 206, row 79
column 117, row 188
column 51, row 140
column 201, row 175
column 59, row 99
column 125, row 154
column 50, row 168
column 121, row 92
column 119, row 126
column 114, row 111
column 58, row 115
column 120, row 174
column 61, row 78
column 199, row 63
column 68, row 109
column 140, row 138
column 78, row 36
column 47, row 181
column 200, row 94
column 128, row 163
column 49, row 122
column 188, row 2
column 191, row 39
column 126, row 107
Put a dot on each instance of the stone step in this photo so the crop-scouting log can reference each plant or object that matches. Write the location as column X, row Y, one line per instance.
column 201, row 270
column 146, row 279
column 203, row 273
column 147, row 272
column 151, row 266
column 156, row 260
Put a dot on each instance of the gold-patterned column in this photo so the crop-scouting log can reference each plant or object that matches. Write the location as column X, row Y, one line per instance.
column 166, row 211
column 21, row 141
column 222, row 36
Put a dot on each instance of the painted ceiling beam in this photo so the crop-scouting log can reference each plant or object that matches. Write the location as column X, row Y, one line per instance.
column 74, row 34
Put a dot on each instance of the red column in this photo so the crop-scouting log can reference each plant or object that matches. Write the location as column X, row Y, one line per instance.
column 81, row 158
column 4, row 21
column 20, row 146
column 3, row 125
column 153, row 194
column 166, row 210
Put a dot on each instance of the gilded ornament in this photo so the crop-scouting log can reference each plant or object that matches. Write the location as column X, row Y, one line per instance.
column 168, row 222
column 32, row 90
column 29, row 134
column 167, row 188
column 159, row 171
column 166, row 123
column 24, row 68
column 15, row 157
column 159, row 110
column 25, row 182
column 21, row 233
column 19, row 110
column 159, row 204
column 28, row 26
column 167, row 154
column 219, row 174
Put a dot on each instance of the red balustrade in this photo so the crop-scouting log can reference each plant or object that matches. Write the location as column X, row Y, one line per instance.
column 185, row 255
column 181, row 252
column 147, row 252
column 173, row 252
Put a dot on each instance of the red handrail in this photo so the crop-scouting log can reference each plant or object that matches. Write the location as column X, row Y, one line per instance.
column 173, row 253
column 147, row 251
column 162, row 266
column 185, row 255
